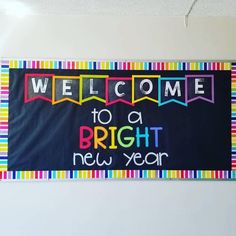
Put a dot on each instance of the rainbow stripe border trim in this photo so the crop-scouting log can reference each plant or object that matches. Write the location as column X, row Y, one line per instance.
column 110, row 174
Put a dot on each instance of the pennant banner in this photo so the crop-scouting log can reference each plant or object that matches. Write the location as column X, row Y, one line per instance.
column 108, row 120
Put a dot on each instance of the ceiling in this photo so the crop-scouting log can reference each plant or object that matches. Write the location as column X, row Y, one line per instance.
column 118, row 7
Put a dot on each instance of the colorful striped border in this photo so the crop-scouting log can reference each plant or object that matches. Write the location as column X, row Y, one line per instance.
column 116, row 65
column 109, row 174
column 116, row 174
column 233, row 115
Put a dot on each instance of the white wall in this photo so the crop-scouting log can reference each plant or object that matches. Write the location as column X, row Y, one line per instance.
column 118, row 207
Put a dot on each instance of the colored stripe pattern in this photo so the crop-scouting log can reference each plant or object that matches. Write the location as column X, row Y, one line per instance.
column 116, row 65
column 4, row 93
column 233, row 115
column 116, row 174
column 108, row 174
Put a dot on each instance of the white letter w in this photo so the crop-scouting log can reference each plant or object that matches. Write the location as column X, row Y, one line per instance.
column 40, row 86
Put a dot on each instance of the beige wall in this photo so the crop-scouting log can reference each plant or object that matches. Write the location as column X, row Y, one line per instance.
column 118, row 207
column 118, row 38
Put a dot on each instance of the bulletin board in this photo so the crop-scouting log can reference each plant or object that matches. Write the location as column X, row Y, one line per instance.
column 69, row 119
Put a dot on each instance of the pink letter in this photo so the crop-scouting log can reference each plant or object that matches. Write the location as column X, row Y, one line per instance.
column 85, row 142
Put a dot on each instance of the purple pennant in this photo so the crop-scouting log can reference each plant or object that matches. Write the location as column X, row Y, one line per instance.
column 199, row 87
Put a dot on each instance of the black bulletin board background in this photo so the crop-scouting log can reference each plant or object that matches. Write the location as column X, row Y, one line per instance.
column 43, row 136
